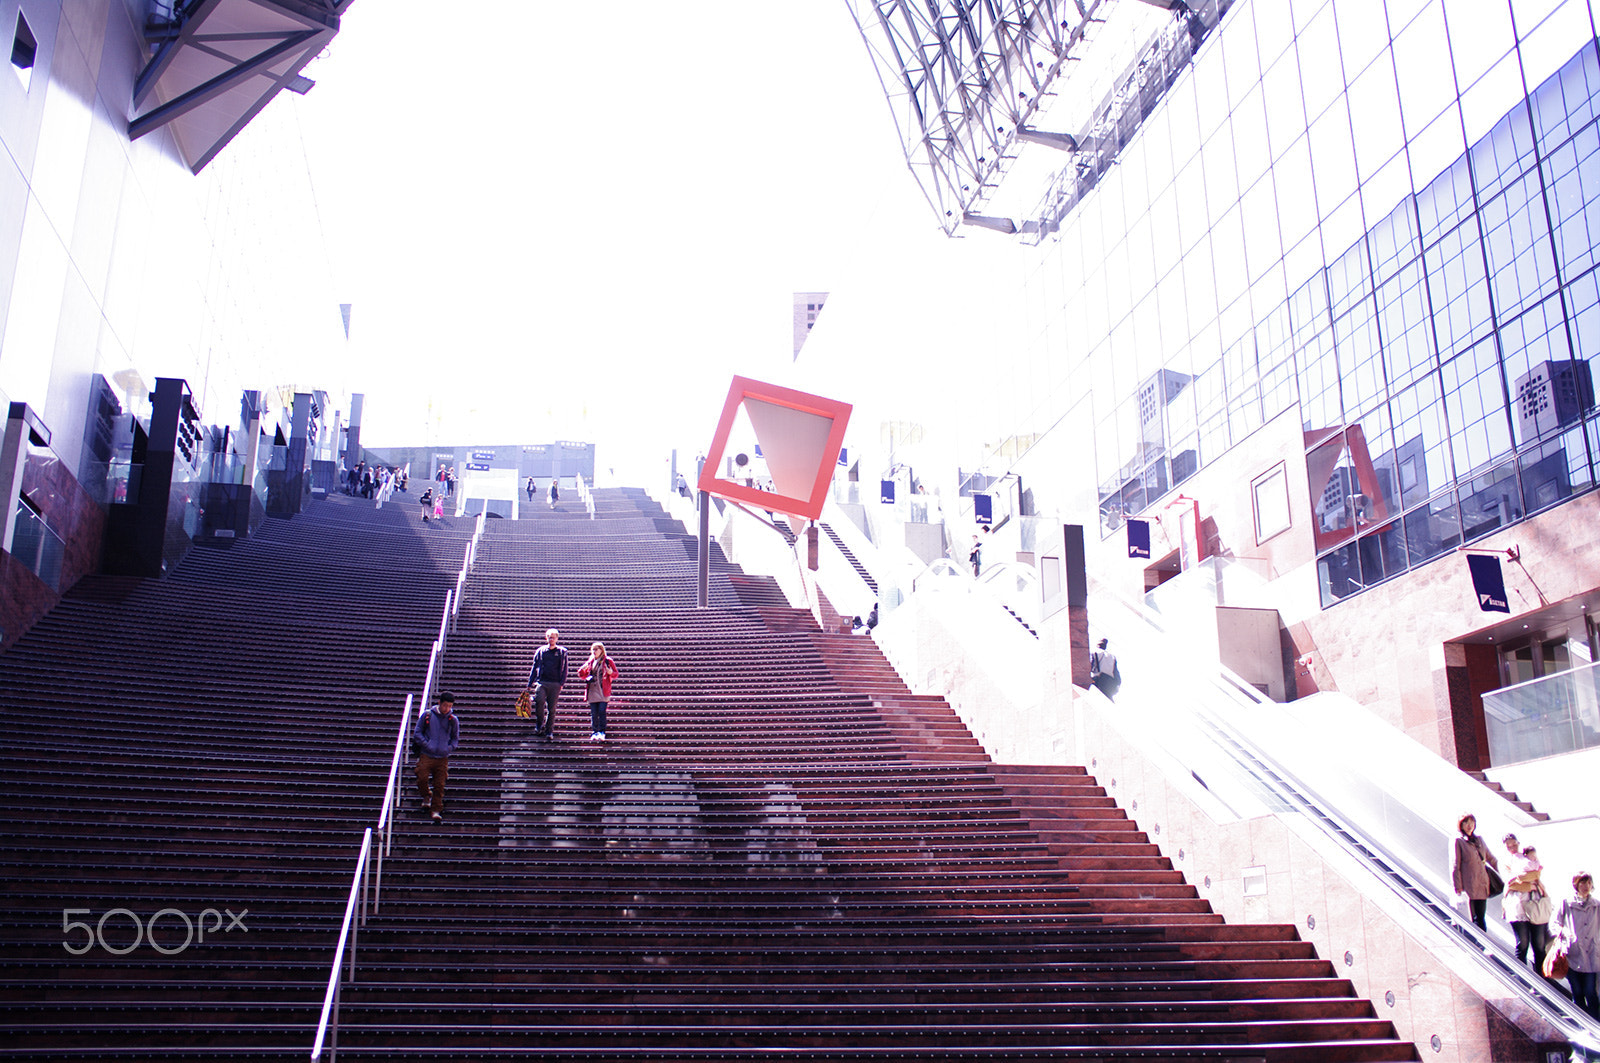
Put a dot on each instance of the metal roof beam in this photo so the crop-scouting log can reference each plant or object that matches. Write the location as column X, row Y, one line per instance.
column 218, row 85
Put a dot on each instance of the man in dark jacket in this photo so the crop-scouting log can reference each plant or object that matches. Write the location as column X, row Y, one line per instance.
column 438, row 734
column 545, row 680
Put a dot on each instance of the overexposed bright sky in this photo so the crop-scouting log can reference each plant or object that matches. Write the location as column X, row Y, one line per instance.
column 563, row 222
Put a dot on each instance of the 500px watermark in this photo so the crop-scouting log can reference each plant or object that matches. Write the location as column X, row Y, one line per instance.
column 194, row 930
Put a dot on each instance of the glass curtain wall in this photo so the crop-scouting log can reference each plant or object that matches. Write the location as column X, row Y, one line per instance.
column 1385, row 214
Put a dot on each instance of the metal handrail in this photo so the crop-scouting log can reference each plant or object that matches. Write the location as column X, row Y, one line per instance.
column 368, row 881
column 328, row 1026
column 1282, row 783
column 428, row 682
column 585, row 495
column 391, row 801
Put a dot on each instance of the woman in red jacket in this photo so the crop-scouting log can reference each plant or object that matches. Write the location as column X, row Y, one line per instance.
column 596, row 674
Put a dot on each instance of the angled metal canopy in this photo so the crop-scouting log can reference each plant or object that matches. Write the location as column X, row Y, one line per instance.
column 968, row 83
column 217, row 63
column 964, row 78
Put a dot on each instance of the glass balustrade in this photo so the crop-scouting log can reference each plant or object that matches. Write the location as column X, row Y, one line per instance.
column 1554, row 714
column 38, row 548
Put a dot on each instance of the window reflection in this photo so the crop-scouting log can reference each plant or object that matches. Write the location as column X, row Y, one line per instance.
column 1552, row 471
column 1433, row 529
column 1458, row 287
column 1504, row 153
column 1572, row 172
column 1568, row 100
column 1383, row 553
column 1348, row 494
column 1475, row 405
column 1490, row 501
column 1439, row 398
column 1421, row 461
column 1516, row 239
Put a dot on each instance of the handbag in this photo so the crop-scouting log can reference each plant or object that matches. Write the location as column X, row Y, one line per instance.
column 1496, row 884
column 1536, row 907
column 1555, row 963
column 524, row 705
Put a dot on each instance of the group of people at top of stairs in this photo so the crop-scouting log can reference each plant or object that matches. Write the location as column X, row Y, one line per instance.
column 549, row 675
column 1570, row 933
column 438, row 729
column 378, row 482
column 552, row 494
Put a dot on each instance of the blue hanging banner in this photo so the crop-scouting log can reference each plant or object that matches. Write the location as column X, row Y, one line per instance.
column 1488, row 582
column 1138, row 538
column 844, row 456
column 983, row 509
column 885, row 490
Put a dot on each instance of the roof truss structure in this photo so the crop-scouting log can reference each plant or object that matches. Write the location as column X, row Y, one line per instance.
column 217, row 63
column 964, row 78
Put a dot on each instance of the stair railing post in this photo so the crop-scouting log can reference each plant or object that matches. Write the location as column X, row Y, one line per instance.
column 703, row 586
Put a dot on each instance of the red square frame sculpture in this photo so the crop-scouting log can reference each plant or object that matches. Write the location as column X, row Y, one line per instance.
column 835, row 412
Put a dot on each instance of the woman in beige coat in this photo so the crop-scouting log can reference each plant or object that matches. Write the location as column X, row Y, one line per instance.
column 1470, row 862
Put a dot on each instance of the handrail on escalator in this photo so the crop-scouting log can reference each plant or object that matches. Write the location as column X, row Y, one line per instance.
column 1581, row 1032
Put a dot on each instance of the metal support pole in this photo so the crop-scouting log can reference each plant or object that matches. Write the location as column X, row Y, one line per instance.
column 703, row 599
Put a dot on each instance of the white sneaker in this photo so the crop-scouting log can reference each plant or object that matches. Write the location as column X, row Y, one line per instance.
column 597, row 736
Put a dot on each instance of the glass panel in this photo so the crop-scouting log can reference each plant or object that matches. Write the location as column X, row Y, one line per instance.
column 1405, row 327
column 1393, row 241
column 1383, row 554
column 1433, row 530
column 1296, row 194
column 1422, row 64
column 1553, row 470
column 1433, row 151
column 1568, row 99
column 1277, row 389
column 1490, row 501
column 1349, row 278
column 1339, row 574
column 1213, row 438
column 1363, row 33
column 1516, row 236
column 1421, row 457
column 1539, row 371
column 1249, row 124
column 1486, row 103
column 1284, row 102
column 38, row 548
column 1308, row 308
column 1355, row 336
column 1333, row 157
column 1185, row 459
column 1549, row 30
column 1334, row 485
column 1321, row 73
column 1556, row 714
column 1573, row 174
column 1447, row 200
column 1375, row 99
column 1458, row 288
column 1321, row 405
column 1371, row 446
column 1274, row 30
column 1504, row 153
column 1583, row 308
column 1474, row 398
